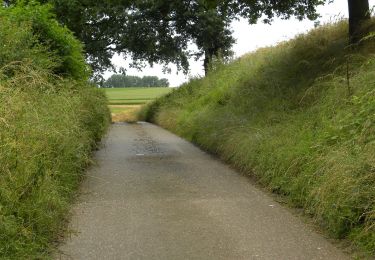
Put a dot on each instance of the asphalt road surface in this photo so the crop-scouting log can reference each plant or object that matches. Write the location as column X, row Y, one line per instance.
column 153, row 195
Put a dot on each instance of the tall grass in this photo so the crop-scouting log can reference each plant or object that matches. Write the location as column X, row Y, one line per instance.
column 300, row 117
column 46, row 142
column 49, row 124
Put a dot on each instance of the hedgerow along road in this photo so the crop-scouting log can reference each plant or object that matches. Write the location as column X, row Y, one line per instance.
column 152, row 195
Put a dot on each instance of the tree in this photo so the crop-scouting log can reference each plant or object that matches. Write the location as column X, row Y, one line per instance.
column 127, row 81
column 359, row 13
column 161, row 31
column 110, row 26
column 207, row 25
column 207, row 22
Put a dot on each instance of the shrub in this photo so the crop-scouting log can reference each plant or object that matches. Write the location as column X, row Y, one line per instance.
column 34, row 24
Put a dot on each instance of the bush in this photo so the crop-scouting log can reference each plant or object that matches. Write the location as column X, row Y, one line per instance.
column 35, row 25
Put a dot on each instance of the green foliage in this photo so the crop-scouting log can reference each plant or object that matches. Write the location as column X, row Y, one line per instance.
column 49, row 125
column 288, row 116
column 43, row 30
column 161, row 31
column 126, row 81
column 15, row 46
column 254, row 10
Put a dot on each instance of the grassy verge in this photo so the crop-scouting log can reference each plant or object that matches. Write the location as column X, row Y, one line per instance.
column 290, row 116
column 50, row 121
column 46, row 143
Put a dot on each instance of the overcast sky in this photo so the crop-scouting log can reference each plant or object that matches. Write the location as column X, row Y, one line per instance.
column 249, row 38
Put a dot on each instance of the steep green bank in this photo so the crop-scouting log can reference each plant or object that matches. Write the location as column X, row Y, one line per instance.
column 300, row 117
column 50, row 120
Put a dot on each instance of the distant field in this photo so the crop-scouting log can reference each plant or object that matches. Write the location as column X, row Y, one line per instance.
column 124, row 102
column 134, row 96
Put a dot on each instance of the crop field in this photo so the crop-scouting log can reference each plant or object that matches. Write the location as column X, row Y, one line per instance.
column 124, row 102
column 134, row 96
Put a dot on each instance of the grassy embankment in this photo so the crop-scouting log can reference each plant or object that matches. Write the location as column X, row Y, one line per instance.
column 50, row 120
column 125, row 102
column 290, row 116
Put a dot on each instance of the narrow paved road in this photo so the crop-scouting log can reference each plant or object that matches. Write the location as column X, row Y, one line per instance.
column 155, row 196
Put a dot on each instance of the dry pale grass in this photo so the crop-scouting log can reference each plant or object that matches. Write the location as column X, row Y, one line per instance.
column 125, row 113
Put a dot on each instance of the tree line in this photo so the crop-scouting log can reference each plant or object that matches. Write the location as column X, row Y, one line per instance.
column 126, row 81
column 160, row 31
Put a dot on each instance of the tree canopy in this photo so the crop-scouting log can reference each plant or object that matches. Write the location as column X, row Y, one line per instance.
column 127, row 81
column 161, row 31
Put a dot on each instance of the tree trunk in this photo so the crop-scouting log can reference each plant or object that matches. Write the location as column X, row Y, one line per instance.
column 206, row 63
column 359, row 12
column 209, row 54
